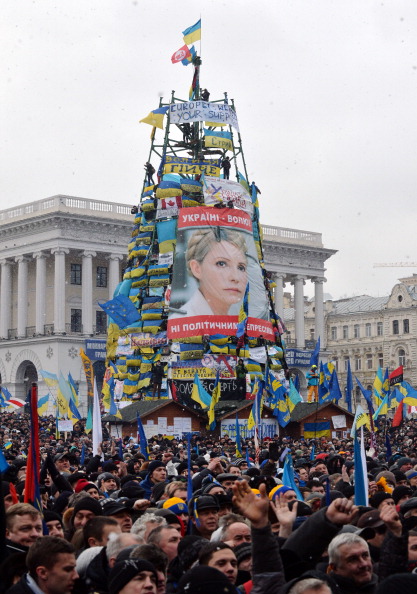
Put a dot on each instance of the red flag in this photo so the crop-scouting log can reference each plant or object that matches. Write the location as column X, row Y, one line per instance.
column 396, row 376
column 173, row 391
column 32, row 493
column 181, row 54
column 398, row 417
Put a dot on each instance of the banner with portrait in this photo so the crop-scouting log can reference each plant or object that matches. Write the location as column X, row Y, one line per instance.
column 200, row 111
column 215, row 260
column 218, row 191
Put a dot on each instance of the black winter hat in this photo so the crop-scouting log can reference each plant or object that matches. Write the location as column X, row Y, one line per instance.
column 123, row 572
column 88, row 503
column 204, row 580
column 154, row 465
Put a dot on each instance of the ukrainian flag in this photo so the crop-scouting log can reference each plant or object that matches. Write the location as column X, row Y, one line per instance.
column 315, row 430
column 43, row 405
column 215, row 397
column 193, row 33
column 382, row 408
column 199, row 394
column 155, row 118
column 377, row 387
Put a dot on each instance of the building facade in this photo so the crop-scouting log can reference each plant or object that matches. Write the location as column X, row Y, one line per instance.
column 371, row 332
column 63, row 255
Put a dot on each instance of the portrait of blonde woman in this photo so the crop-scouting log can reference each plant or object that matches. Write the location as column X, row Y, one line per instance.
column 216, row 258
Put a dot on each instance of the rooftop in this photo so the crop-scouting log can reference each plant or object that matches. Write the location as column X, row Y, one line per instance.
column 80, row 206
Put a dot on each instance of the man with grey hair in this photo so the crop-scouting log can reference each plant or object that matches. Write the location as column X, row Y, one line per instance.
column 233, row 529
column 350, row 564
column 310, row 586
column 146, row 523
column 97, row 572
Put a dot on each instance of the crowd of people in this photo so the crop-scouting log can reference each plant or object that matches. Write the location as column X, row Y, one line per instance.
column 122, row 521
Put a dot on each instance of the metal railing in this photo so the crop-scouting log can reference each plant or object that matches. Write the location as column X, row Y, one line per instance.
column 287, row 235
column 66, row 204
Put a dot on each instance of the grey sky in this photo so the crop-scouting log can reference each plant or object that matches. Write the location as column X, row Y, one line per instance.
column 325, row 91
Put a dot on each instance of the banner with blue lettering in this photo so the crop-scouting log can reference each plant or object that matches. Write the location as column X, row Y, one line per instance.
column 202, row 111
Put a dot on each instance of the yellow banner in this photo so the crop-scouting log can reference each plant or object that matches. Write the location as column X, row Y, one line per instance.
column 89, row 374
column 217, row 142
column 192, row 169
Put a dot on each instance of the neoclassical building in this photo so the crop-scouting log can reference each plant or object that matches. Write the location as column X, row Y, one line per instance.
column 63, row 255
column 370, row 332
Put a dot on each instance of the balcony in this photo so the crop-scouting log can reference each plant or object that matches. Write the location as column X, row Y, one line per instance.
column 49, row 330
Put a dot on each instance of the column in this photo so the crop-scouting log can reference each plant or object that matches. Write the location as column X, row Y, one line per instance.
column 279, row 294
column 40, row 285
column 114, row 273
column 319, row 312
column 5, row 298
column 299, row 311
column 87, row 291
column 59, row 290
column 22, row 295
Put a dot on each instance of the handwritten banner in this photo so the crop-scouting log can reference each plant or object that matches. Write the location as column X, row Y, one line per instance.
column 187, row 166
column 201, row 111
column 224, row 190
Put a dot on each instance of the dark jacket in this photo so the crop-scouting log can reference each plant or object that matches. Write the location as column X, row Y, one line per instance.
column 97, row 574
column 147, row 485
column 346, row 586
column 267, row 570
column 312, row 538
column 22, row 587
column 14, row 547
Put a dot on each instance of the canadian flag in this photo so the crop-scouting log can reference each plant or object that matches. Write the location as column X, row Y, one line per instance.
column 171, row 202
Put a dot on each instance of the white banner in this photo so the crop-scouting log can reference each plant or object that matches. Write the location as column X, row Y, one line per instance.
column 64, row 425
column 267, row 428
column 201, row 111
column 218, row 190
column 339, row 421
column 258, row 354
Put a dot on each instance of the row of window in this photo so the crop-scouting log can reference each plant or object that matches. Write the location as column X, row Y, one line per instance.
column 76, row 321
column 356, row 363
column 76, row 275
column 368, row 329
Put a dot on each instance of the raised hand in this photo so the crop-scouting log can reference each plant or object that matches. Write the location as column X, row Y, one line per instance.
column 389, row 515
column 341, row 511
column 285, row 515
column 252, row 507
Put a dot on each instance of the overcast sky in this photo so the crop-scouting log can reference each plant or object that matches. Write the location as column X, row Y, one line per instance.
column 325, row 92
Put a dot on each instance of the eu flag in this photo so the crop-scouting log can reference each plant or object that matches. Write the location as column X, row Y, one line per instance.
column 121, row 310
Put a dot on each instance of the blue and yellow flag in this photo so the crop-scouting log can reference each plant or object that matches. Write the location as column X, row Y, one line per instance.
column 43, row 405
column 410, row 397
column 199, row 394
column 256, row 411
column 323, row 386
column 377, row 387
column 238, row 440
column 74, row 390
column 215, row 397
column 316, row 430
column 193, row 33
column 155, row 118
column 50, row 379
column 218, row 139
column 382, row 408
column 293, row 396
